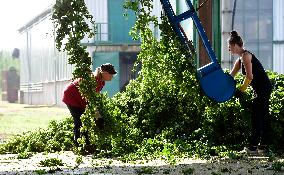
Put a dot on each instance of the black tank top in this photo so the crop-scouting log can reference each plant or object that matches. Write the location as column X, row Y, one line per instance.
column 260, row 82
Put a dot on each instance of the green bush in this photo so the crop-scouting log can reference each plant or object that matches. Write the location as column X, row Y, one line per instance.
column 57, row 137
column 277, row 109
column 51, row 162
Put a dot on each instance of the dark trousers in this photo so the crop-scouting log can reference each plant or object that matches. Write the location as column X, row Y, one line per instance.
column 76, row 114
column 261, row 123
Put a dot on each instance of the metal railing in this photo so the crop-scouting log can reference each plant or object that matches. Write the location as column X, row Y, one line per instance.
column 103, row 33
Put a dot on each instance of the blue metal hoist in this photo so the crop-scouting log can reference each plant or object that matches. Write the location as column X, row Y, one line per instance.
column 216, row 84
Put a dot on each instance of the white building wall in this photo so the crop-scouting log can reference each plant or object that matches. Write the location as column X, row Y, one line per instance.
column 226, row 23
column 278, row 36
column 44, row 70
column 98, row 9
column 278, row 17
column 278, row 58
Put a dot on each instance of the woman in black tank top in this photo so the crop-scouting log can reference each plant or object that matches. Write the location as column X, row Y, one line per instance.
column 255, row 76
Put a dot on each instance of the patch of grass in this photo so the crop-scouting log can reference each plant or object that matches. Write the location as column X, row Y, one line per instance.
column 79, row 160
column 146, row 170
column 215, row 173
column 24, row 155
column 51, row 162
column 225, row 170
column 188, row 171
column 166, row 171
column 277, row 166
column 19, row 118
column 40, row 172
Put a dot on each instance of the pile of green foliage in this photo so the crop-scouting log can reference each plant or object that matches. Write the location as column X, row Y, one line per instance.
column 163, row 112
column 58, row 136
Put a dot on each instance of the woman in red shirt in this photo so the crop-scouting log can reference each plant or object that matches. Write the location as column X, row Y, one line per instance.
column 77, row 104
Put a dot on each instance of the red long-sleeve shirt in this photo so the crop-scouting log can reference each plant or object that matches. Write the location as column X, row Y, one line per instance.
column 72, row 96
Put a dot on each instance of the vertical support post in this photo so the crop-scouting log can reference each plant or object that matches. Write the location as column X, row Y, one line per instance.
column 202, row 34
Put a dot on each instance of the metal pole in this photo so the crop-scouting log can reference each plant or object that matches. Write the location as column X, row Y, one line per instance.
column 233, row 15
column 226, row 28
column 56, row 76
column 232, row 28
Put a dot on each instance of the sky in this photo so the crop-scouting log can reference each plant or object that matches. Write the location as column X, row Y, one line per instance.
column 13, row 15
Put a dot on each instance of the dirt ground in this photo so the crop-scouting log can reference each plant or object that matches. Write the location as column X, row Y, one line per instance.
column 10, row 164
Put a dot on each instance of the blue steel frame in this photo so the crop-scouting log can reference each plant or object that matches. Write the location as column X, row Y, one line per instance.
column 216, row 84
column 191, row 13
column 175, row 22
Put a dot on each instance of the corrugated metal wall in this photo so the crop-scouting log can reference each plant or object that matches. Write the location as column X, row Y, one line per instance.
column 40, row 57
column 254, row 22
column 278, row 36
column 42, row 52
column 24, row 66
column 278, row 58
column 98, row 9
column 226, row 23
column 44, row 70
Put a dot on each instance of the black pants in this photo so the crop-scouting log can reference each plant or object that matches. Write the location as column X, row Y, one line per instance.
column 261, row 123
column 76, row 114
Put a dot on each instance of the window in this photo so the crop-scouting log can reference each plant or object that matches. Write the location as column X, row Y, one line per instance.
column 253, row 21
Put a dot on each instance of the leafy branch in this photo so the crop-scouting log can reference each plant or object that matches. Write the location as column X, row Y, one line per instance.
column 70, row 19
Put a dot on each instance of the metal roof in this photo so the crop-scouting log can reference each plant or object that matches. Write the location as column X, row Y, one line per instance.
column 37, row 19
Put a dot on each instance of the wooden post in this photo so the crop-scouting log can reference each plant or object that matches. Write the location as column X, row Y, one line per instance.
column 205, row 16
